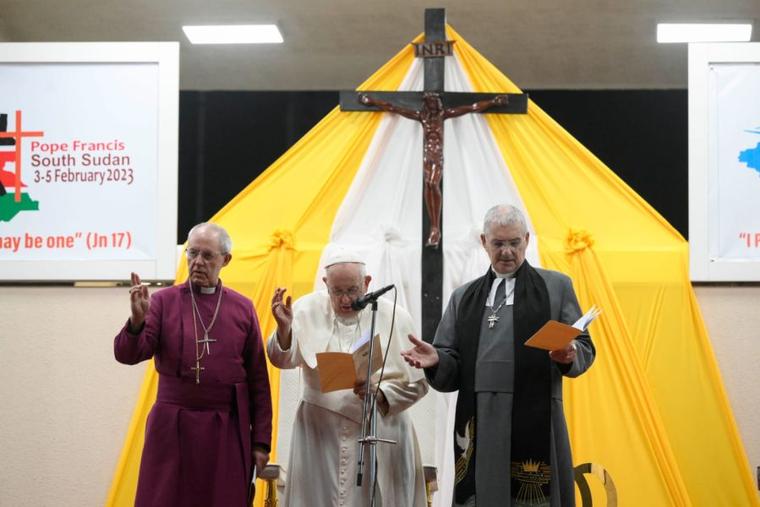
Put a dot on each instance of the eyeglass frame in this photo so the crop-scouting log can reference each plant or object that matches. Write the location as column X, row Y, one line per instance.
column 193, row 253
column 352, row 293
column 512, row 244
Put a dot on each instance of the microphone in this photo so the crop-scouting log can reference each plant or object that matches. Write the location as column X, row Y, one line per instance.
column 360, row 303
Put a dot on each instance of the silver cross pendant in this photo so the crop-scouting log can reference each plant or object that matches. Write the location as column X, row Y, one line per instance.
column 205, row 343
column 492, row 319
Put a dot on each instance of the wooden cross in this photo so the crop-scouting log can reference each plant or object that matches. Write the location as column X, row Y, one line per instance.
column 433, row 50
column 17, row 135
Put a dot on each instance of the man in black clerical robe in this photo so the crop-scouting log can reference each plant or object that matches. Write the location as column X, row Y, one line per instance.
column 511, row 438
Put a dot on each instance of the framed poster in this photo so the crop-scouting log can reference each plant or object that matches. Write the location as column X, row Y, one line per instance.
column 88, row 160
column 724, row 161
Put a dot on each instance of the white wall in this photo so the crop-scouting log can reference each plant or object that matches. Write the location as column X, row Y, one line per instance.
column 66, row 402
column 732, row 316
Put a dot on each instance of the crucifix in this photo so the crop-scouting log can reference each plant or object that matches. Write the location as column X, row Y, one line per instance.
column 431, row 116
column 433, row 105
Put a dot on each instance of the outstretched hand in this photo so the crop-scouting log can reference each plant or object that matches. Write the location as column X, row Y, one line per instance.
column 422, row 355
column 139, row 302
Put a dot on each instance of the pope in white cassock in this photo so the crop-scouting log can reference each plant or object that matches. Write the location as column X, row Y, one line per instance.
column 322, row 468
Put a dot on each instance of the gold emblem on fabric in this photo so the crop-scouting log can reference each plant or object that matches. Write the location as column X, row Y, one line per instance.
column 465, row 444
column 532, row 476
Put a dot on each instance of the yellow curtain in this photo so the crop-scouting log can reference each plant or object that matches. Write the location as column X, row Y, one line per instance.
column 279, row 225
column 635, row 412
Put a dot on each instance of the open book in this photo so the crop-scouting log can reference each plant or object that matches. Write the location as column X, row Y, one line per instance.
column 341, row 370
column 555, row 335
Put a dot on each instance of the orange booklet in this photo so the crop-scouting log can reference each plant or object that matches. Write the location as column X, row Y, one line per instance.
column 341, row 370
column 555, row 335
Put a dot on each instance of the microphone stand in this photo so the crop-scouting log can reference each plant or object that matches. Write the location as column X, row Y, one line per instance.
column 369, row 421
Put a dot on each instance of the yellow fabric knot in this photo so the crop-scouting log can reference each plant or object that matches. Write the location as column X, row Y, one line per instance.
column 281, row 239
column 577, row 240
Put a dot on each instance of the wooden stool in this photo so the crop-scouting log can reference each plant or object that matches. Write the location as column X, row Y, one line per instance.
column 431, row 482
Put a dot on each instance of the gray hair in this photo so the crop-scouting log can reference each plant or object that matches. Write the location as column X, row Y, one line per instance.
column 504, row 214
column 225, row 242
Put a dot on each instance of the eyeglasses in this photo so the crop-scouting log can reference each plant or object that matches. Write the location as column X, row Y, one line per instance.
column 192, row 253
column 353, row 292
column 507, row 245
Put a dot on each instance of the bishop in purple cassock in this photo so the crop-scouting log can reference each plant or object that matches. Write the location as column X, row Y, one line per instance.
column 212, row 420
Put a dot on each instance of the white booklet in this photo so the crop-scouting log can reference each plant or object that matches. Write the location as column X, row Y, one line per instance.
column 364, row 338
column 587, row 318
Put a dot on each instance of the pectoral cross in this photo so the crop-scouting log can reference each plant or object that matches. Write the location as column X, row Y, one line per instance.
column 197, row 369
column 492, row 320
column 205, row 343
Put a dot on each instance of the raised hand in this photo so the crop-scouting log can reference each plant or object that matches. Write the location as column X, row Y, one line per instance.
column 422, row 355
column 282, row 311
column 139, row 302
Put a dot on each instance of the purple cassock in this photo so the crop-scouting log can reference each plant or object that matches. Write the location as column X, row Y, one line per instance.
column 199, row 436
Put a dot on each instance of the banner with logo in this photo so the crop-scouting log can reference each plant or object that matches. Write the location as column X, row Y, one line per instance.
column 724, row 161
column 88, row 163
column 735, row 186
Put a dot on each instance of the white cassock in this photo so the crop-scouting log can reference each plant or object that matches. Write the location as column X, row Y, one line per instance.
column 322, row 467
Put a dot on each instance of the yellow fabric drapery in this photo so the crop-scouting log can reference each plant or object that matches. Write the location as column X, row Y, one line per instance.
column 633, row 412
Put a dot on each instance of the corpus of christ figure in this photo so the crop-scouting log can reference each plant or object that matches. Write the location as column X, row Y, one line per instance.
column 431, row 116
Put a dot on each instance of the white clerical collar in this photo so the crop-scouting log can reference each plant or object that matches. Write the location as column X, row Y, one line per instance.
column 503, row 275
column 509, row 289
column 199, row 289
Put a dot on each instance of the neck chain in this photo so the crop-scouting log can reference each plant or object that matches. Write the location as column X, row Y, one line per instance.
column 205, row 343
column 493, row 318
column 356, row 334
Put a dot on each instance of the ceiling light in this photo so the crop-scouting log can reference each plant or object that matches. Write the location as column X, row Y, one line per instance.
column 233, row 34
column 704, row 32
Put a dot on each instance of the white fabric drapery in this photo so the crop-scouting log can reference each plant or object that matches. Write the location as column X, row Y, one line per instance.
column 381, row 217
